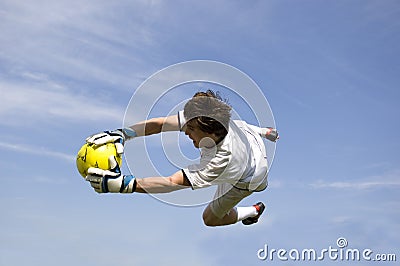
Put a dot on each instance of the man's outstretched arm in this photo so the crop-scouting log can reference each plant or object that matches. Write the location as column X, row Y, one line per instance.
column 104, row 181
column 153, row 185
column 144, row 128
column 156, row 125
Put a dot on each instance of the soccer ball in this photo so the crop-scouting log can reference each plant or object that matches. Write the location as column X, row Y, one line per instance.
column 96, row 156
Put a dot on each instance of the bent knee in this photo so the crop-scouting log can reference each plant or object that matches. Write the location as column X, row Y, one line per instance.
column 209, row 218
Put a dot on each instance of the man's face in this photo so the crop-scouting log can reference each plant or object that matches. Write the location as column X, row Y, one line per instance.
column 199, row 137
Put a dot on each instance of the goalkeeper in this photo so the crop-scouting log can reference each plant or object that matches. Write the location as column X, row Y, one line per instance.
column 233, row 157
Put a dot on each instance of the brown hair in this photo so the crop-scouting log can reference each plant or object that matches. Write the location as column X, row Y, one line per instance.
column 210, row 111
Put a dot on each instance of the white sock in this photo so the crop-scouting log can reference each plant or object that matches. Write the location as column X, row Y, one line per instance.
column 246, row 212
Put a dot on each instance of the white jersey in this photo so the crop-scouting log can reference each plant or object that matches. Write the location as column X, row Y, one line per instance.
column 239, row 159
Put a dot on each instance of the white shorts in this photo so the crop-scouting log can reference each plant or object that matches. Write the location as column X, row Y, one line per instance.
column 226, row 197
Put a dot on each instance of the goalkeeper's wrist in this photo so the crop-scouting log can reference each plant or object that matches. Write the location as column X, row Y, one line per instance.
column 128, row 184
column 129, row 133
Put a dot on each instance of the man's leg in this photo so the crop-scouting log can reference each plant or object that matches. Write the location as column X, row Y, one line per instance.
column 248, row 215
column 210, row 219
column 222, row 210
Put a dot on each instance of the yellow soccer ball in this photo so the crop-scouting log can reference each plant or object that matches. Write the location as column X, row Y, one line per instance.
column 96, row 156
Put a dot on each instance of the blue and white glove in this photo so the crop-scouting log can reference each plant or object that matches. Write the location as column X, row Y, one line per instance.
column 104, row 181
column 118, row 137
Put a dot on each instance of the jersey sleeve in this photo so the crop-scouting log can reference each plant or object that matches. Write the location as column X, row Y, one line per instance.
column 256, row 129
column 259, row 130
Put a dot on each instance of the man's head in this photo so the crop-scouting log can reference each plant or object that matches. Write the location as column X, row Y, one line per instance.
column 208, row 116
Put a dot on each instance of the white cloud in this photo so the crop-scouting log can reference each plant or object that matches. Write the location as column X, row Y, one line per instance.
column 37, row 97
column 356, row 185
column 88, row 41
column 388, row 180
column 341, row 219
column 29, row 149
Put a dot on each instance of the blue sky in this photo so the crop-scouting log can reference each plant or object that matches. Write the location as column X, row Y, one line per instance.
column 329, row 70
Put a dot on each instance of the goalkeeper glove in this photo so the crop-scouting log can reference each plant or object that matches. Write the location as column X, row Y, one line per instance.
column 104, row 181
column 117, row 137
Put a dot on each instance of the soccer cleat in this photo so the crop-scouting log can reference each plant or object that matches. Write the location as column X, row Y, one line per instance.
column 260, row 207
column 271, row 134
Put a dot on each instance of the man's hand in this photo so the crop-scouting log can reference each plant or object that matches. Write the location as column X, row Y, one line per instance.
column 116, row 136
column 104, row 181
